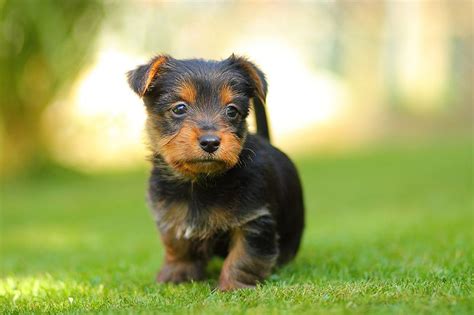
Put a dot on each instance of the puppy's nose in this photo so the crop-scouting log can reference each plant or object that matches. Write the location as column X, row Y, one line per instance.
column 209, row 143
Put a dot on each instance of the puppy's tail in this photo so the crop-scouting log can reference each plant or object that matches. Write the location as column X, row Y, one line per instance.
column 259, row 105
column 261, row 118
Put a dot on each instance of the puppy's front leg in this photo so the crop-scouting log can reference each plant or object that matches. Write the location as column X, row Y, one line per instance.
column 252, row 255
column 185, row 259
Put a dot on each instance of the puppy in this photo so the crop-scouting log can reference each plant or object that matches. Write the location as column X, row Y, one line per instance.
column 216, row 189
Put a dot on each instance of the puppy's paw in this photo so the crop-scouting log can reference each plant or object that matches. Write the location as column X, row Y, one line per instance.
column 229, row 283
column 179, row 272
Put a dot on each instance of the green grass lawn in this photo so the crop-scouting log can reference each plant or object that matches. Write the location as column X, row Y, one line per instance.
column 388, row 231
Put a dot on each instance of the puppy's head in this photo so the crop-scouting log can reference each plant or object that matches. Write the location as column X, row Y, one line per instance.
column 197, row 110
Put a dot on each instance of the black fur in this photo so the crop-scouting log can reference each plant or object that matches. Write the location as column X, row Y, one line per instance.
column 262, row 179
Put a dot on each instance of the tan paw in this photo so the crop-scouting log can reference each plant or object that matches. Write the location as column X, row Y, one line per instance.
column 180, row 272
column 228, row 283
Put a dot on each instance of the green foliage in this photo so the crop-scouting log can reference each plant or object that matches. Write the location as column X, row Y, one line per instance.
column 388, row 231
column 43, row 44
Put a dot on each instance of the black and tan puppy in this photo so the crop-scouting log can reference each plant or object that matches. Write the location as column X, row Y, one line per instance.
column 215, row 189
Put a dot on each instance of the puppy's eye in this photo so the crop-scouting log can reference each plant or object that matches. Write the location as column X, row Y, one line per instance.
column 179, row 109
column 231, row 111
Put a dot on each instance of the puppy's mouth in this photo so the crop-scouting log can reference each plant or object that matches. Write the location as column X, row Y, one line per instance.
column 200, row 166
column 208, row 161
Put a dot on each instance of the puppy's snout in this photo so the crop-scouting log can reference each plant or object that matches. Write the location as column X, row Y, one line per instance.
column 209, row 143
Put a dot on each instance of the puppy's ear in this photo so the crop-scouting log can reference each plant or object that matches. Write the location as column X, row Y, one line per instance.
column 141, row 78
column 256, row 76
column 259, row 87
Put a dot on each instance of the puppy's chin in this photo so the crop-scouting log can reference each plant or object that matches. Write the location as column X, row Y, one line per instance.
column 203, row 167
column 200, row 168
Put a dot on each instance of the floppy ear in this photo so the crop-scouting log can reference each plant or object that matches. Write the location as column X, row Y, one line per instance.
column 256, row 76
column 259, row 86
column 141, row 78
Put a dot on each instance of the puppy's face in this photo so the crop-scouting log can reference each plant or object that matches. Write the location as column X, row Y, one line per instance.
column 197, row 110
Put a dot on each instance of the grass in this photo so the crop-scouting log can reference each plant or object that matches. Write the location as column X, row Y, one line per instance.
column 388, row 231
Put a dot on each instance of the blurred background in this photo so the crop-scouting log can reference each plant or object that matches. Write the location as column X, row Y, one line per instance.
column 342, row 74
column 373, row 100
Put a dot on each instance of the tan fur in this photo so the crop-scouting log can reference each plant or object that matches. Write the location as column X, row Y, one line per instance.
column 226, row 95
column 180, row 252
column 182, row 149
column 187, row 92
column 153, row 72
column 173, row 219
column 181, row 264
column 240, row 269
column 250, row 69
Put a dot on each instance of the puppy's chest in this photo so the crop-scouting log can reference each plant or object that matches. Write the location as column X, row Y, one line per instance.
column 184, row 220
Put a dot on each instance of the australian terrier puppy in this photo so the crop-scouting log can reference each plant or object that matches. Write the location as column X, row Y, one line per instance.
column 216, row 189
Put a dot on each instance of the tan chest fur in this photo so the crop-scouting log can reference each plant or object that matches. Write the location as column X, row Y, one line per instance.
column 176, row 218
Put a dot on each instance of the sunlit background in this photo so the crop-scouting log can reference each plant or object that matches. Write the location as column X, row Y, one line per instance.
column 372, row 100
column 341, row 74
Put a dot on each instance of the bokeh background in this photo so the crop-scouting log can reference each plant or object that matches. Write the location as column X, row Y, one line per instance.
column 372, row 99
column 341, row 73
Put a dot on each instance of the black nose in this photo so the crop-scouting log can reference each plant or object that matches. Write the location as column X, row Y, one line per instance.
column 209, row 143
